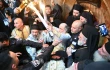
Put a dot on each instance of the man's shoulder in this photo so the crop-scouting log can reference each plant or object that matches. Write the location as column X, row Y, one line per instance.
column 67, row 35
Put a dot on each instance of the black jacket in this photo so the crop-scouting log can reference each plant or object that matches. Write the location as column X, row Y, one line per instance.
column 19, row 46
column 73, row 40
column 41, row 59
column 16, row 45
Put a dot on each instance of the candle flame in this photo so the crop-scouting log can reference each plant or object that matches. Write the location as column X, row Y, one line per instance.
column 30, row 5
column 42, row 6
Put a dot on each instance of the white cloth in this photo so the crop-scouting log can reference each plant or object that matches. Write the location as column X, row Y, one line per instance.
column 46, row 37
column 31, row 50
column 54, row 65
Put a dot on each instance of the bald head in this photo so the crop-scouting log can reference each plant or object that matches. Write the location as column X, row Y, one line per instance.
column 76, row 26
column 18, row 23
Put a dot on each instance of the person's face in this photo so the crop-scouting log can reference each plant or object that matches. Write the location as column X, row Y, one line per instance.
column 75, row 29
column 14, row 57
column 48, row 10
column 61, row 28
column 6, row 15
column 34, row 32
column 76, row 13
column 83, row 19
column 82, row 40
column 4, row 43
column 1, row 4
column 18, row 24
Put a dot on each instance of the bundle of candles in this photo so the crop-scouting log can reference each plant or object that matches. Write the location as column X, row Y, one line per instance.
column 30, row 4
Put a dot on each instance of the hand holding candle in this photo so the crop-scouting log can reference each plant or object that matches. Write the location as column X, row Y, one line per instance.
column 38, row 14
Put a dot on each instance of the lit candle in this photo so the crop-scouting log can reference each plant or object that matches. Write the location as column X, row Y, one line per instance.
column 38, row 14
column 42, row 6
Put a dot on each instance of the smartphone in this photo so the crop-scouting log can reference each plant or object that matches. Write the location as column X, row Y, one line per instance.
column 103, row 29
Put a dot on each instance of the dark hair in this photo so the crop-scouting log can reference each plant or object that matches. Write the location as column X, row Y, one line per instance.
column 3, row 37
column 8, row 12
column 5, row 61
column 34, row 26
column 4, row 3
column 78, row 7
column 48, row 6
column 89, row 17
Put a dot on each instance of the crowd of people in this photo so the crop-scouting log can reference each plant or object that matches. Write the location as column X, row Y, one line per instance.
column 71, row 44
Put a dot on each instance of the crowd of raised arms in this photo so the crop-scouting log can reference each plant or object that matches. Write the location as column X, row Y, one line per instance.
column 76, row 43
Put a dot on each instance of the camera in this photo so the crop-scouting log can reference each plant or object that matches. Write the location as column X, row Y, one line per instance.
column 103, row 29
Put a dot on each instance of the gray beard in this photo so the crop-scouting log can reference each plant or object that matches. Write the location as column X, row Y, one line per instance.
column 98, row 57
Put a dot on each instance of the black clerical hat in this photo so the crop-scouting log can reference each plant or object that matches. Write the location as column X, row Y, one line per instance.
column 34, row 26
column 61, row 54
column 77, row 7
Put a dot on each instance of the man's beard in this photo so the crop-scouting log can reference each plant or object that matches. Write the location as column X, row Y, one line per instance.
column 35, row 36
column 76, row 17
column 72, row 32
column 80, row 43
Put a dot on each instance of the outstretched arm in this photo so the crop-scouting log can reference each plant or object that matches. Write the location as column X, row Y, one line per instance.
column 41, row 59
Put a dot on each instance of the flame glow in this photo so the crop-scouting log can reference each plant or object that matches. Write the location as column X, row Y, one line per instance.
column 42, row 6
column 30, row 5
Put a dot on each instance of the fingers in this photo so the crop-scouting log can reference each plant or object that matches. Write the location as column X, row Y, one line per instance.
column 16, row 10
column 69, row 51
column 56, row 42
column 18, row 54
